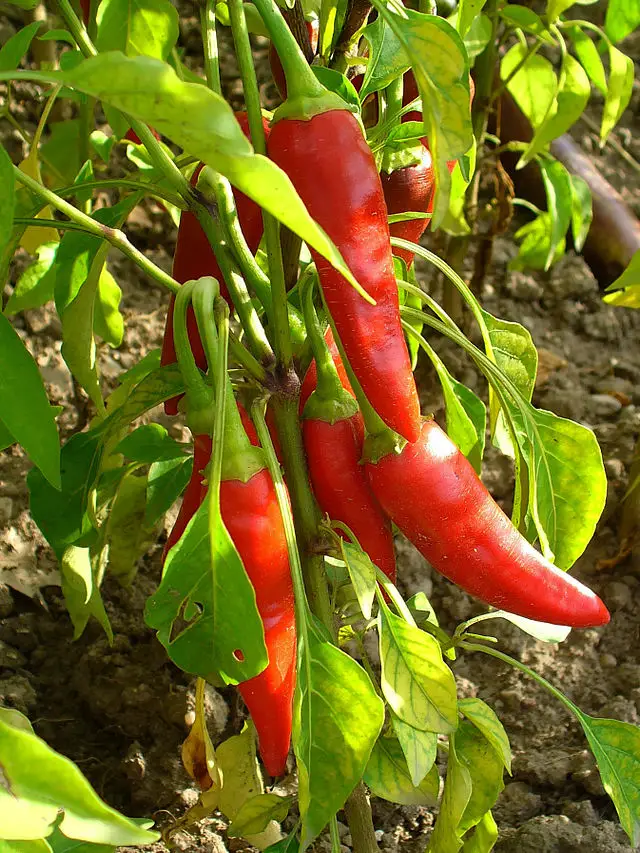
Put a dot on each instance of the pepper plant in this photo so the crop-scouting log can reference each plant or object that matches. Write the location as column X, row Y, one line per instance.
column 294, row 323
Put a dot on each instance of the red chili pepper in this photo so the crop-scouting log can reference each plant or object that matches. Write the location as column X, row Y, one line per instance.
column 436, row 498
column 277, row 72
column 194, row 258
column 410, row 188
column 85, row 6
column 132, row 136
column 252, row 517
column 331, row 166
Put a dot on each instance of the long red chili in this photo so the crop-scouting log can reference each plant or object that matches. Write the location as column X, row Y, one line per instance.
column 194, row 258
column 436, row 498
column 251, row 514
column 333, row 434
column 333, row 170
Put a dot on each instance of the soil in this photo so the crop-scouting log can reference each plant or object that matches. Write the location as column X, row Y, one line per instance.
column 122, row 711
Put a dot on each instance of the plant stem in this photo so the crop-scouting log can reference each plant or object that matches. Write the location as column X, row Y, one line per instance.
column 210, row 46
column 244, row 358
column 111, row 235
column 356, row 17
column 360, row 820
column 280, row 317
column 77, row 28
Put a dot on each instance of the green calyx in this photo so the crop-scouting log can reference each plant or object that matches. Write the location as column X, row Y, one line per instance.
column 382, row 444
column 338, row 406
column 401, row 157
column 304, row 107
column 243, row 464
column 199, row 407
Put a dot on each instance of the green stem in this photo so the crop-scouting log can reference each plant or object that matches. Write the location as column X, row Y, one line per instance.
column 394, row 595
column 243, row 357
column 236, row 284
column 50, row 223
column 494, row 653
column 279, row 314
column 112, row 235
column 301, row 603
column 301, row 81
column 228, row 212
column 305, row 510
column 210, row 46
column 76, row 28
column 122, row 183
column 241, row 460
column 198, row 393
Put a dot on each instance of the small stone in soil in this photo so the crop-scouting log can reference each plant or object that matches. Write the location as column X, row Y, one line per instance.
column 6, row 601
column 604, row 406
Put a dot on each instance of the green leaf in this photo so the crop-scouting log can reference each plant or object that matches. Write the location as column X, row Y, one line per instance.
column 25, row 408
column 159, row 385
column 58, row 35
column 536, row 238
column 486, row 720
column 6, row 439
column 483, row 837
column 63, row 516
column 526, row 19
column 619, row 89
column 468, row 11
column 137, row 27
column 102, row 144
column 38, row 782
column 616, row 747
column 127, row 534
column 438, row 58
column 588, row 55
column 36, row 284
column 567, row 481
column 337, row 719
column 542, row 631
column 559, row 192
column 108, row 322
column 16, row 47
column 362, row 573
column 24, row 4
column 150, row 91
column 478, row 36
column 568, row 105
column 81, row 593
column 35, row 845
column 150, row 443
column 256, row 813
column 555, row 8
column 205, row 608
column 62, row 148
column 167, row 481
column 419, row 748
column 286, row 845
column 388, row 777
column 627, row 285
column 7, row 198
column 416, row 682
column 387, row 60
column 485, row 766
column 623, row 17
column 535, row 84
column 581, row 210
column 60, row 844
column 457, row 793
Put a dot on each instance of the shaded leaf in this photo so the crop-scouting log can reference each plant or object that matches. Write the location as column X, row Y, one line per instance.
column 16, row 47
column 388, row 777
column 167, row 481
column 150, row 443
column 419, row 748
column 35, row 286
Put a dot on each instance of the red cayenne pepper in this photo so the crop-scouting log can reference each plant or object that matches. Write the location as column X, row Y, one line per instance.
column 331, row 166
column 251, row 514
column 194, row 258
column 333, row 433
column 436, row 498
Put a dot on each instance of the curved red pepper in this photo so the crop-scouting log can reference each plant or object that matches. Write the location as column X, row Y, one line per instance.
column 331, row 166
column 410, row 188
column 132, row 136
column 251, row 514
column 194, row 258
column 436, row 498
column 341, row 488
column 85, row 6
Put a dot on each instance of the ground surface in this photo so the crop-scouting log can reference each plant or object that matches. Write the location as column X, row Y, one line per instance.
column 119, row 711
